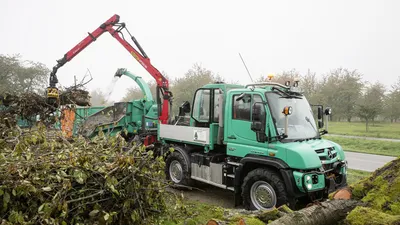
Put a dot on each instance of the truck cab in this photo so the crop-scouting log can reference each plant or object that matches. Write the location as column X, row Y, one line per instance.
column 260, row 141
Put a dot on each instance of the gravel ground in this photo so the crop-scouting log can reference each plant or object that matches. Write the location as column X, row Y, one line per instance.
column 209, row 195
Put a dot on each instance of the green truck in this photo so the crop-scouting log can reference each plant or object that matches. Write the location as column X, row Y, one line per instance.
column 260, row 141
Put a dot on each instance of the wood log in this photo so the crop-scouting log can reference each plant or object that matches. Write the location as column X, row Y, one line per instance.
column 246, row 217
column 344, row 193
column 329, row 212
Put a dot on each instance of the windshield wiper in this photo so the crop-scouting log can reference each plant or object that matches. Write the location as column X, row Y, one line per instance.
column 306, row 139
column 287, row 95
column 309, row 121
column 316, row 131
column 301, row 139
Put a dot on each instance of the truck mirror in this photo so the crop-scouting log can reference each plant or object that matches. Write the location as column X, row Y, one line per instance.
column 256, row 126
column 259, row 128
column 258, row 122
column 257, row 113
column 184, row 108
column 328, row 111
column 261, row 137
column 320, row 113
column 320, row 124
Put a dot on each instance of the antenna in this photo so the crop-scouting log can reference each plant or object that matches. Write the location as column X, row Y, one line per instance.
column 246, row 67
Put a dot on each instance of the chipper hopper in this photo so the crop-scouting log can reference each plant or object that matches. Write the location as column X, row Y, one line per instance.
column 135, row 117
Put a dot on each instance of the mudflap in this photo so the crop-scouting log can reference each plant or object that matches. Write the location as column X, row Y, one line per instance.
column 238, row 197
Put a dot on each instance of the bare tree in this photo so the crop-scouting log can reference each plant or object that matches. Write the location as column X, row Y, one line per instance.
column 370, row 104
column 340, row 89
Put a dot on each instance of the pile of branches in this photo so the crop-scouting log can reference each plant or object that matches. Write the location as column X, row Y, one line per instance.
column 75, row 96
column 25, row 106
column 28, row 106
column 57, row 181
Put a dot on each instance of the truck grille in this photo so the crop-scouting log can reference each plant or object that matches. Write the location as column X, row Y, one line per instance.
column 326, row 153
column 327, row 166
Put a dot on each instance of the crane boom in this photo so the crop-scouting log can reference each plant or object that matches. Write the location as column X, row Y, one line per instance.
column 114, row 27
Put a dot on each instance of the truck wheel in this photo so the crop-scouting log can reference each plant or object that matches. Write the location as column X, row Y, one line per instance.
column 263, row 189
column 177, row 169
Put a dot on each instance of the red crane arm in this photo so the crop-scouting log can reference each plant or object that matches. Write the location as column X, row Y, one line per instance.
column 80, row 46
column 141, row 57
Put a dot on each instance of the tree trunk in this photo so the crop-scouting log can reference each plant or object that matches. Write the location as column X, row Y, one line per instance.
column 330, row 212
column 366, row 125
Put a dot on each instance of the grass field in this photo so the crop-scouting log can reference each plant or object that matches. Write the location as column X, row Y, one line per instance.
column 356, row 175
column 381, row 130
column 388, row 148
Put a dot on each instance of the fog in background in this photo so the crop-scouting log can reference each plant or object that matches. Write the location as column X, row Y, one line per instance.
column 272, row 36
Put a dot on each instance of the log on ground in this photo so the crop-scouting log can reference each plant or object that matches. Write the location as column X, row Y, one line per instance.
column 329, row 212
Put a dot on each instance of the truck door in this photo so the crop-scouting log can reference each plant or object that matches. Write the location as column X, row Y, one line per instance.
column 241, row 140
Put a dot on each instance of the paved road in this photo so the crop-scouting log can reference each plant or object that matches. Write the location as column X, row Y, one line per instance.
column 365, row 138
column 366, row 162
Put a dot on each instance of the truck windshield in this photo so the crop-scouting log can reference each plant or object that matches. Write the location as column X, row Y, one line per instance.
column 301, row 121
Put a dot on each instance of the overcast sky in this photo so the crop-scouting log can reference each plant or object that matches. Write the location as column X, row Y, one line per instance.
column 272, row 36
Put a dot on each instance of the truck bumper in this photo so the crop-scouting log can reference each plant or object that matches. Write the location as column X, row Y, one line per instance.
column 320, row 181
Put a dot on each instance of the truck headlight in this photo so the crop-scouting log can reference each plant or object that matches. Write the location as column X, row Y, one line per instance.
column 308, row 178
column 309, row 186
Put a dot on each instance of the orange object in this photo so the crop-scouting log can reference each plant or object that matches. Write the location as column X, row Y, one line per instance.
column 242, row 222
column 67, row 121
column 344, row 193
column 212, row 222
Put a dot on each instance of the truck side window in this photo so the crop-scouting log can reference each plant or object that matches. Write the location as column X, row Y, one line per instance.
column 241, row 108
column 201, row 106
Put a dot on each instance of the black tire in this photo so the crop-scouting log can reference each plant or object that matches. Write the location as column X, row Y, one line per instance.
column 174, row 157
column 268, row 176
